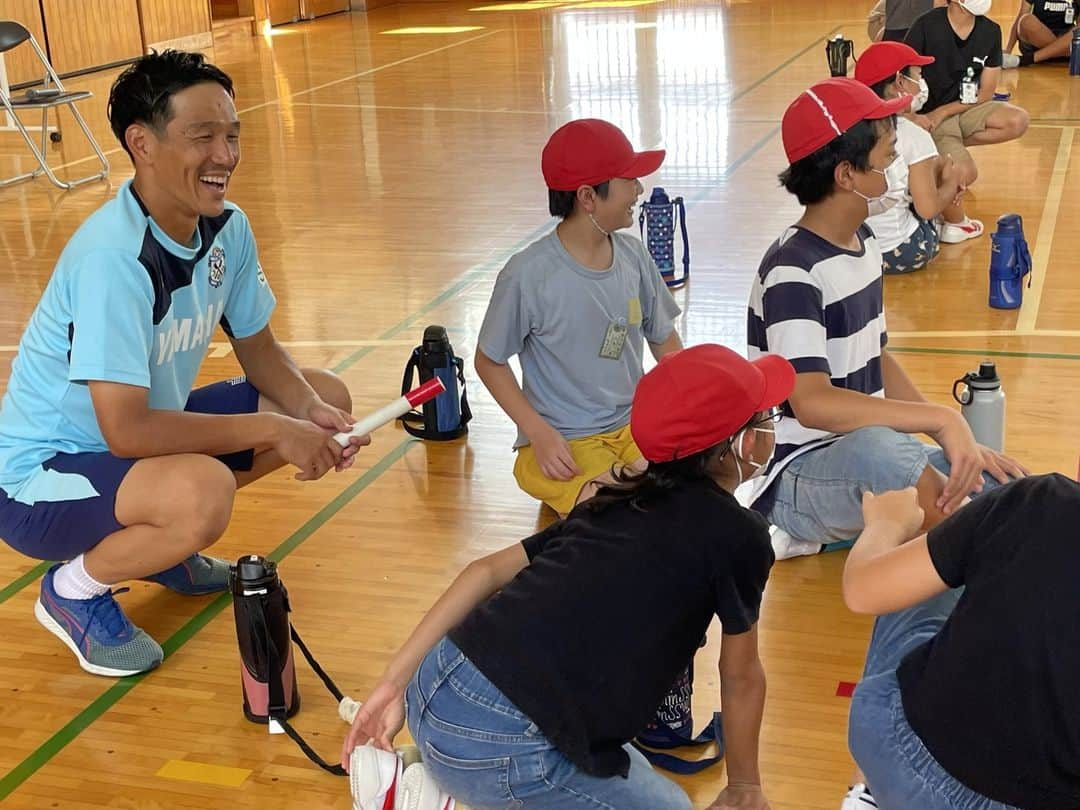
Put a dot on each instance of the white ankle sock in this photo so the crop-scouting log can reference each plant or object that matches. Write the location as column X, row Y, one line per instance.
column 72, row 582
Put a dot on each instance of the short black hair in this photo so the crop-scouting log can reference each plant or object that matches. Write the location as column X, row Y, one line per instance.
column 810, row 179
column 142, row 92
column 879, row 87
column 561, row 203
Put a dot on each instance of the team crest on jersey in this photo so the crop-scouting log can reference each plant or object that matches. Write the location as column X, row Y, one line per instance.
column 216, row 263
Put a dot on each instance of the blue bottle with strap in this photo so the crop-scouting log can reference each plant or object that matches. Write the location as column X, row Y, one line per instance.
column 657, row 223
column 1010, row 261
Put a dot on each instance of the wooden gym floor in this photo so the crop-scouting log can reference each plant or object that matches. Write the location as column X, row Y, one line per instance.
column 388, row 176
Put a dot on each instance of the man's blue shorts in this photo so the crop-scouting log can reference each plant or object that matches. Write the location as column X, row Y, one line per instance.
column 63, row 529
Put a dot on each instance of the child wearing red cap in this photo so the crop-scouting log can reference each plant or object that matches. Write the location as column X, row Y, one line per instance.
column 525, row 683
column 964, row 42
column 577, row 307
column 923, row 185
column 852, row 421
column 850, row 425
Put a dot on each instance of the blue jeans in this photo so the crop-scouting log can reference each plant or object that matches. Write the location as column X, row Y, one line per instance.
column 818, row 496
column 900, row 772
column 484, row 752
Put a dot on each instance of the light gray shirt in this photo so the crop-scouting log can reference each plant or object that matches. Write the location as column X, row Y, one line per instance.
column 579, row 333
column 900, row 14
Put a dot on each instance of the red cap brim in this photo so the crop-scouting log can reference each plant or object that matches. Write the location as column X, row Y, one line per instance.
column 643, row 164
column 779, row 380
column 887, row 108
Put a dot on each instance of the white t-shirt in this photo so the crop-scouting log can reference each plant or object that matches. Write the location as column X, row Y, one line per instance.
column 913, row 145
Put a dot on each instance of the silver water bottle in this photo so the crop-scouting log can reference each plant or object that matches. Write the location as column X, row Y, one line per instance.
column 982, row 404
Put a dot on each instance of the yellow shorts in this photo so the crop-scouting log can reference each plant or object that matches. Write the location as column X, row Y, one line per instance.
column 595, row 456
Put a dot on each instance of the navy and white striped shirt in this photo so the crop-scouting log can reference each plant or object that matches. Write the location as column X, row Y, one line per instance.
column 820, row 306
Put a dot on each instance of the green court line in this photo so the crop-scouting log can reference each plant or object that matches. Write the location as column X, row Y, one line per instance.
column 760, row 81
column 36, row 759
column 469, row 276
column 983, row 353
column 107, row 699
column 18, row 584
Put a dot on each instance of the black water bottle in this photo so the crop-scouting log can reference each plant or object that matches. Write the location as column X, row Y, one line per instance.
column 261, row 610
column 1074, row 54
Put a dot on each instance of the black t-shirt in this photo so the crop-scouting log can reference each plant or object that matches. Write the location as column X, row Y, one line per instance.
column 590, row 636
column 1052, row 14
column 995, row 695
column 932, row 35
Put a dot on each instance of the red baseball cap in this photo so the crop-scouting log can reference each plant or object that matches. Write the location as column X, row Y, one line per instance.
column 829, row 109
column 698, row 397
column 588, row 152
column 885, row 59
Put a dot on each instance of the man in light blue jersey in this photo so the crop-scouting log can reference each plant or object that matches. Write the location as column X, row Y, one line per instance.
column 108, row 459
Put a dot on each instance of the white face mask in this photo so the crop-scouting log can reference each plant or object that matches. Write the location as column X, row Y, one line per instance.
column 759, row 467
column 880, row 204
column 918, row 100
column 976, row 7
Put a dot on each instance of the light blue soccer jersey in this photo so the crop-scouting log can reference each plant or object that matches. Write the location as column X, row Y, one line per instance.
column 125, row 304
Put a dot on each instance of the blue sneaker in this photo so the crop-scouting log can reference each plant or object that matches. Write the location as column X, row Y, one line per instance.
column 97, row 631
column 198, row 575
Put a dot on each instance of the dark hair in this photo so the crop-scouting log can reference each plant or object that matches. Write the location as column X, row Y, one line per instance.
column 879, row 87
column 561, row 203
column 656, row 481
column 142, row 92
column 810, row 179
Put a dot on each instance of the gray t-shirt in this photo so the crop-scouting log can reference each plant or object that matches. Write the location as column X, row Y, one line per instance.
column 580, row 333
column 900, row 14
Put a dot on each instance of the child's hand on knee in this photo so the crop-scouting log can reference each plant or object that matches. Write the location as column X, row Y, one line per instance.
column 554, row 456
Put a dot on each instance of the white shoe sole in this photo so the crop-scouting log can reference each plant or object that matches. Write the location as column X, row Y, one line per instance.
column 786, row 547
column 960, row 237
column 373, row 773
column 420, row 792
column 50, row 624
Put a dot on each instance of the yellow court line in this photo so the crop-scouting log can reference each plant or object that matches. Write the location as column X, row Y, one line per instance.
column 1040, row 259
column 187, row 771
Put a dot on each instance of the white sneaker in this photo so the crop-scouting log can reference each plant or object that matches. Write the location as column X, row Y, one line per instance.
column 420, row 792
column 379, row 780
column 858, row 798
column 953, row 232
column 785, row 546
column 1010, row 61
column 374, row 778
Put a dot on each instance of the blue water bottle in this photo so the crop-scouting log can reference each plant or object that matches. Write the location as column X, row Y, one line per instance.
column 657, row 223
column 1009, row 263
column 1074, row 54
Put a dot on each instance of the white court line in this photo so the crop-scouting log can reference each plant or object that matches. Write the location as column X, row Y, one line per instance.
column 976, row 333
column 223, row 349
column 1040, row 259
column 298, row 93
column 369, row 71
column 503, row 111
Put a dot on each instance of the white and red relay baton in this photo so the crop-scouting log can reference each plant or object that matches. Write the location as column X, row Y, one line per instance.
column 396, row 409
